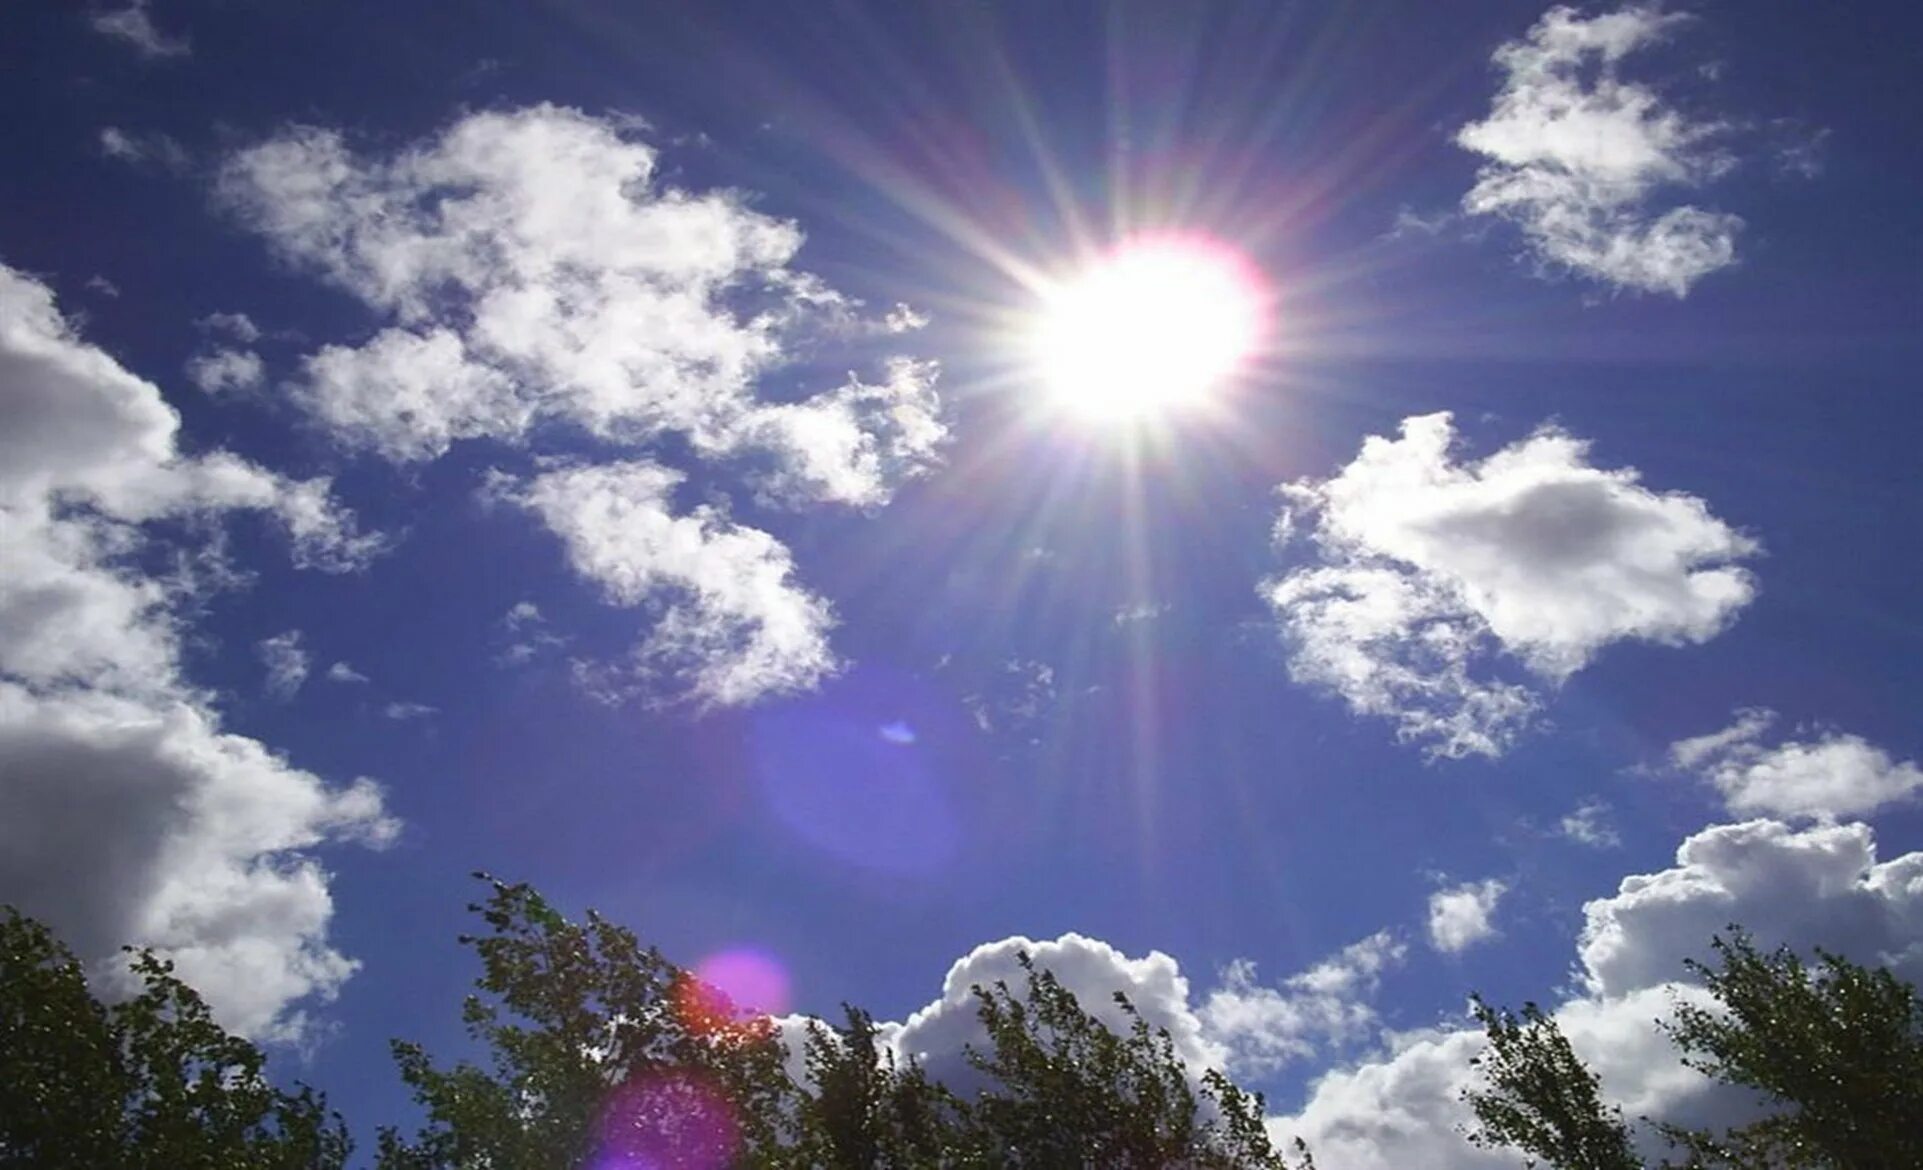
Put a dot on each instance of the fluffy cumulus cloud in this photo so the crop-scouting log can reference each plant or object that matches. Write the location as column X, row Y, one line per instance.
column 938, row 1035
column 1579, row 158
column 1426, row 569
column 1241, row 1024
column 731, row 622
column 126, row 813
column 1260, row 1029
column 1816, row 886
column 532, row 273
column 1830, row 775
column 1463, row 915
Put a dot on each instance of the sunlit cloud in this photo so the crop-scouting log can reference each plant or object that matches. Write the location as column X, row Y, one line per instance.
column 1429, row 572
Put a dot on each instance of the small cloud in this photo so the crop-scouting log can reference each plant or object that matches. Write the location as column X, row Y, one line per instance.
column 1577, row 156
column 1464, row 915
column 103, row 286
column 341, row 672
column 238, row 326
column 1590, row 824
column 903, row 319
column 1826, row 776
column 897, row 732
column 143, row 149
column 1450, row 595
column 1138, row 612
column 1412, row 224
column 226, row 371
column 406, row 712
column 286, row 661
column 524, row 629
column 133, row 27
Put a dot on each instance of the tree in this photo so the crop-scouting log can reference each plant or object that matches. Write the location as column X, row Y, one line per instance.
column 149, row 1082
column 1542, row 1099
column 604, row 1055
column 1066, row 1090
column 1836, row 1053
column 1837, row 1050
column 602, row 1051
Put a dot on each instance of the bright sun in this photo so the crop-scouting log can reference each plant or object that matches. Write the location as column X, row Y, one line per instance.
column 1157, row 325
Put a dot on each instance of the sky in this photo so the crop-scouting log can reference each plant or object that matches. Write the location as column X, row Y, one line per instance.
column 1298, row 511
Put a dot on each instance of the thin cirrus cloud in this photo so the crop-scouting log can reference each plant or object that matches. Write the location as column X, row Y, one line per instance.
column 133, row 26
column 1830, row 775
column 126, row 813
column 1822, row 885
column 1425, row 571
column 533, row 273
column 1580, row 159
column 287, row 663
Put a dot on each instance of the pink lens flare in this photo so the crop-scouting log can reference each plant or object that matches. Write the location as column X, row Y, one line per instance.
column 673, row 1119
column 754, row 981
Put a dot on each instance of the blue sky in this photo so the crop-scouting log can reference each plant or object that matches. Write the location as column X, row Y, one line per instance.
column 603, row 445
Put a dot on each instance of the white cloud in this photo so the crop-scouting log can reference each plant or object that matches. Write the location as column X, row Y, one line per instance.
column 850, row 445
column 1819, row 886
column 222, row 370
column 126, row 814
column 341, row 672
column 532, row 271
column 904, row 319
column 133, row 27
column 1094, row 971
column 1429, row 566
column 535, row 269
column 1462, row 916
column 238, row 326
column 1248, row 1028
column 1815, row 886
column 1590, row 824
column 1261, row 1029
column 730, row 621
column 525, row 630
column 287, row 663
column 1577, row 156
column 161, row 150
column 408, row 712
column 1833, row 775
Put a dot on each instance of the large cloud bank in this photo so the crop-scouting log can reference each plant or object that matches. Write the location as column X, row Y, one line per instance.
column 126, row 813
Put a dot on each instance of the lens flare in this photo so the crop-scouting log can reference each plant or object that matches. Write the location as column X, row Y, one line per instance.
column 668, row 1120
column 754, row 981
column 1158, row 325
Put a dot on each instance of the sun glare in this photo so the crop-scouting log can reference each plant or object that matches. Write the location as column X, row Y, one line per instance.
column 1156, row 326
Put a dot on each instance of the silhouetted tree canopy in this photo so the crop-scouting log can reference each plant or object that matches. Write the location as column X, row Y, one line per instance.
column 148, row 1083
column 600, row 1054
column 1834, row 1051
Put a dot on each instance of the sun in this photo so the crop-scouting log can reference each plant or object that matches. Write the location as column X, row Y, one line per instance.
column 1158, row 325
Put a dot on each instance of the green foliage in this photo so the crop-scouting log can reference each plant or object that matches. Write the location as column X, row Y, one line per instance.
column 574, row 1017
column 151, row 1082
column 1066, row 1090
column 1541, row 1098
column 1837, row 1051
